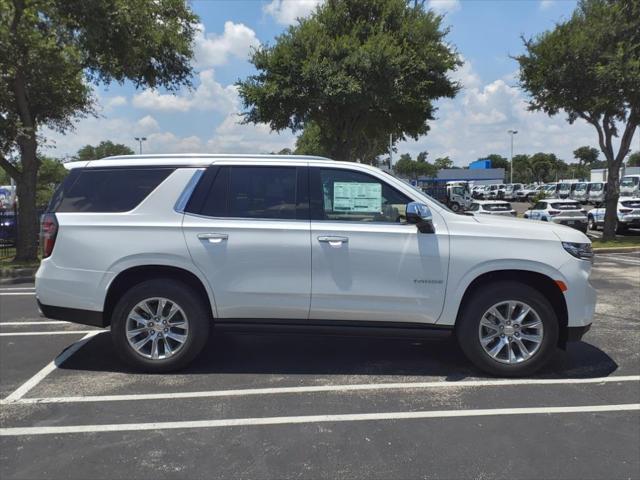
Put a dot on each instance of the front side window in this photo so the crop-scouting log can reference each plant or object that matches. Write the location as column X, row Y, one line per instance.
column 357, row 197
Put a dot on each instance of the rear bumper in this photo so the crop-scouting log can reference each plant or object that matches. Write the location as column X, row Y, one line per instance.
column 575, row 334
column 75, row 315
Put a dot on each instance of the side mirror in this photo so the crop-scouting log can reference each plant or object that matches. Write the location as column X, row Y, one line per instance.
column 420, row 215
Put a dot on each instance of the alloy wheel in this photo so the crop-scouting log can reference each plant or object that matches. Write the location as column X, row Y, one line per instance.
column 511, row 332
column 157, row 328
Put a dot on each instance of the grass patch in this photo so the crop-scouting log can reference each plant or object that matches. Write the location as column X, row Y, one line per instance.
column 7, row 260
column 618, row 242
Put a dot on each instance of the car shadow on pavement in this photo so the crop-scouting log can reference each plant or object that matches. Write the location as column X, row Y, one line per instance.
column 304, row 354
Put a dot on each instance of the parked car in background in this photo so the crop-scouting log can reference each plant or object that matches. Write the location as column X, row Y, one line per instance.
column 491, row 193
column 551, row 189
column 477, row 191
column 566, row 188
column 628, row 213
column 8, row 226
column 185, row 229
column 580, row 192
column 564, row 212
column 597, row 191
column 492, row 207
column 528, row 192
column 630, row 186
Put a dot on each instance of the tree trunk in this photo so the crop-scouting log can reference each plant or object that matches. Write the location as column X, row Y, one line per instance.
column 26, row 246
column 611, row 200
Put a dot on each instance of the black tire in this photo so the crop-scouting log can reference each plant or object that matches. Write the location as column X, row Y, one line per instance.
column 592, row 223
column 482, row 300
column 455, row 207
column 191, row 303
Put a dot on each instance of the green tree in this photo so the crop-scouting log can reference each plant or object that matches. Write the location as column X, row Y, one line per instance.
column 422, row 157
column 106, row 148
column 589, row 67
column 358, row 70
column 50, row 174
column 52, row 53
column 586, row 155
column 544, row 166
column 522, row 171
column 442, row 163
column 634, row 160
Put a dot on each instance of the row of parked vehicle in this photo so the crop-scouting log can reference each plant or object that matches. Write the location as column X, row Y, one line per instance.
column 583, row 192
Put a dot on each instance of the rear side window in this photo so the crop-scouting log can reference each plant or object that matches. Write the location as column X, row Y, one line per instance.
column 106, row 190
column 257, row 192
column 565, row 206
column 498, row 207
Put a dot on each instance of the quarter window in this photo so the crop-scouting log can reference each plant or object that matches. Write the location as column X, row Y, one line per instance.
column 358, row 197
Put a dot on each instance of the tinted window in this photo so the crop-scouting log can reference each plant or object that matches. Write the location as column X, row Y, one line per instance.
column 498, row 207
column 540, row 206
column 566, row 206
column 253, row 192
column 356, row 196
column 106, row 190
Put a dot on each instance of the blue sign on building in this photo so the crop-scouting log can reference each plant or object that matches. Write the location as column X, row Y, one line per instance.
column 480, row 164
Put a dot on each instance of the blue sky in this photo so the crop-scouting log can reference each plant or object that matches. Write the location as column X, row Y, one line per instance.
column 205, row 119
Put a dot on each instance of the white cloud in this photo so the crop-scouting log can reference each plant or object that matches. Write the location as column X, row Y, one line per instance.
column 287, row 11
column 113, row 102
column 237, row 40
column 147, row 124
column 465, row 75
column 545, row 4
column 208, row 95
column 444, row 6
column 476, row 122
column 233, row 136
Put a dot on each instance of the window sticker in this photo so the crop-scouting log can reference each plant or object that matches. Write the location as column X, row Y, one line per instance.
column 357, row 197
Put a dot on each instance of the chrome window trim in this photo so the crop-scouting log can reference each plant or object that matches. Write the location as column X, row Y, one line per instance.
column 184, row 197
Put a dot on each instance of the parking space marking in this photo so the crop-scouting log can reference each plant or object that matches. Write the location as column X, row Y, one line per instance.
column 8, row 289
column 327, row 388
column 10, row 294
column 355, row 417
column 48, row 322
column 27, row 334
column 50, row 367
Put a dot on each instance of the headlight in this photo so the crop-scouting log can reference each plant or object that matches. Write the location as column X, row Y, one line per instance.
column 583, row 251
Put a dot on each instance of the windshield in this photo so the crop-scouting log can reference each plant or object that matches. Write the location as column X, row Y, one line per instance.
column 565, row 206
column 629, row 182
column 550, row 188
column 580, row 187
column 497, row 207
column 565, row 186
column 596, row 187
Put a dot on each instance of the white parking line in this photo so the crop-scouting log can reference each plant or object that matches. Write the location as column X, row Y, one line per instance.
column 355, row 417
column 329, row 388
column 7, row 289
column 50, row 367
column 67, row 332
column 46, row 322
column 12, row 294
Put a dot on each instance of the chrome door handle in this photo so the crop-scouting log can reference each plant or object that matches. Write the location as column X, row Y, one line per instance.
column 213, row 237
column 333, row 241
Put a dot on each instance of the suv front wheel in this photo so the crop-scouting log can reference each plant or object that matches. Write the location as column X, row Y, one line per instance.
column 508, row 329
column 159, row 326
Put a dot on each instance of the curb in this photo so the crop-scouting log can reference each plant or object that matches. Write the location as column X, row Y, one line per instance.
column 617, row 250
column 17, row 275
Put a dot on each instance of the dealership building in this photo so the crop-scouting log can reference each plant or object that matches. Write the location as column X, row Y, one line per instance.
column 478, row 173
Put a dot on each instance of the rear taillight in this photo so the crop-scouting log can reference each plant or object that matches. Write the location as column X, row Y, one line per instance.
column 554, row 212
column 48, row 233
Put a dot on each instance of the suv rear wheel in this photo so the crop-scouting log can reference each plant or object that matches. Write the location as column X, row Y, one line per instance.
column 508, row 329
column 159, row 326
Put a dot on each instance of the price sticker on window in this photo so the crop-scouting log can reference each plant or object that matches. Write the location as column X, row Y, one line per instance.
column 357, row 197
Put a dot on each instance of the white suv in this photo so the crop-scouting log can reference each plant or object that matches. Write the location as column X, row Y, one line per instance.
column 162, row 248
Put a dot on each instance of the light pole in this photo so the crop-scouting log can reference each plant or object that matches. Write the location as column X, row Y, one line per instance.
column 140, row 140
column 512, row 133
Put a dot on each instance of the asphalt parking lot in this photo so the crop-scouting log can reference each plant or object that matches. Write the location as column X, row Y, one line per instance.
column 302, row 406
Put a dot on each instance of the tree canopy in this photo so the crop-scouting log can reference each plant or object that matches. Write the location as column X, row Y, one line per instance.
column 634, row 160
column 589, row 68
column 106, row 148
column 353, row 72
column 53, row 51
